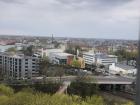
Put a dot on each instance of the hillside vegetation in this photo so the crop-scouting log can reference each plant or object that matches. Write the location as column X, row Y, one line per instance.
column 28, row 96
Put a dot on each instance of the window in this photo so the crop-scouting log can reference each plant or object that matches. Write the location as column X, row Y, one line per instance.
column 33, row 70
column 26, row 63
column 33, row 66
column 33, row 59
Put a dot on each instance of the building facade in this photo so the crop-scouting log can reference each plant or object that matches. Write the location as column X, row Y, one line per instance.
column 99, row 58
column 89, row 58
column 61, row 58
column 122, row 69
column 18, row 66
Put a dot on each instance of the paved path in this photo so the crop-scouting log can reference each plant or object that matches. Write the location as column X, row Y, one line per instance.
column 64, row 87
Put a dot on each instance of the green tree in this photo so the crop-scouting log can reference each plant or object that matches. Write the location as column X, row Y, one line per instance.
column 84, row 78
column 129, row 103
column 101, row 66
column 96, row 100
column 59, row 71
column 44, row 66
column 12, row 49
column 125, row 55
column 82, row 89
column 5, row 90
column 29, row 97
column 75, row 63
column 29, row 51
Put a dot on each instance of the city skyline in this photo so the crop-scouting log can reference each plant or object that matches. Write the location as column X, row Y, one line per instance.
column 76, row 18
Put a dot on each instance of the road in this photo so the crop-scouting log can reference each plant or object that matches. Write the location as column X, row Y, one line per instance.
column 94, row 79
column 98, row 79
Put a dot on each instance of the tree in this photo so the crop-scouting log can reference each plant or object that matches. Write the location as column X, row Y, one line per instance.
column 125, row 55
column 84, row 78
column 31, row 97
column 29, row 51
column 5, row 90
column 75, row 63
column 101, row 66
column 70, row 50
column 56, row 44
column 12, row 49
column 44, row 66
column 59, row 71
column 82, row 89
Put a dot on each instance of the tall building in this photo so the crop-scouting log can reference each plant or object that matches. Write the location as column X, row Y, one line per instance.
column 17, row 66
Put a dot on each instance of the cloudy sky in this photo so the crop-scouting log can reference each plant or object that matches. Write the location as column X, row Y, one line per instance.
column 71, row 18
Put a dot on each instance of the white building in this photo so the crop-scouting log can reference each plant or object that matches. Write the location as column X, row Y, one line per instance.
column 122, row 69
column 89, row 58
column 19, row 46
column 114, row 58
column 16, row 66
column 3, row 48
column 48, row 52
column 99, row 58
column 104, row 59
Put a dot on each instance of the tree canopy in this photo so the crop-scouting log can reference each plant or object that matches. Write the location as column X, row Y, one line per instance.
column 75, row 63
column 12, row 49
column 29, row 97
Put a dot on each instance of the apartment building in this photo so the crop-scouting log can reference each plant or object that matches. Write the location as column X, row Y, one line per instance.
column 18, row 66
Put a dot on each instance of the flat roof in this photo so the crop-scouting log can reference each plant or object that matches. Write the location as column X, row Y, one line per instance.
column 89, row 53
column 126, row 67
column 63, row 54
column 53, row 50
column 100, row 55
column 112, row 56
column 15, row 55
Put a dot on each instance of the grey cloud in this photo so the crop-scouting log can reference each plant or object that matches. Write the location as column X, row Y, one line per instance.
column 69, row 16
column 12, row 1
column 95, row 3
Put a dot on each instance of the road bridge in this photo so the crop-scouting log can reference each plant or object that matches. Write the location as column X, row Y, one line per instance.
column 98, row 79
column 113, row 80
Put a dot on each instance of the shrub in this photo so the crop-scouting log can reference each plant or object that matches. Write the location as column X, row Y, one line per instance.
column 5, row 90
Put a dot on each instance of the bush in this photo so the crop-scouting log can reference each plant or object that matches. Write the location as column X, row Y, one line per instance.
column 50, row 88
column 5, row 90
column 82, row 89
column 25, row 97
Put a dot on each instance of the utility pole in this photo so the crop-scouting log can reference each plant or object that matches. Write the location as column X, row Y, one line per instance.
column 137, row 98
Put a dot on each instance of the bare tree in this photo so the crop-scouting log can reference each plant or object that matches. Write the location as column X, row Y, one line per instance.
column 60, row 71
